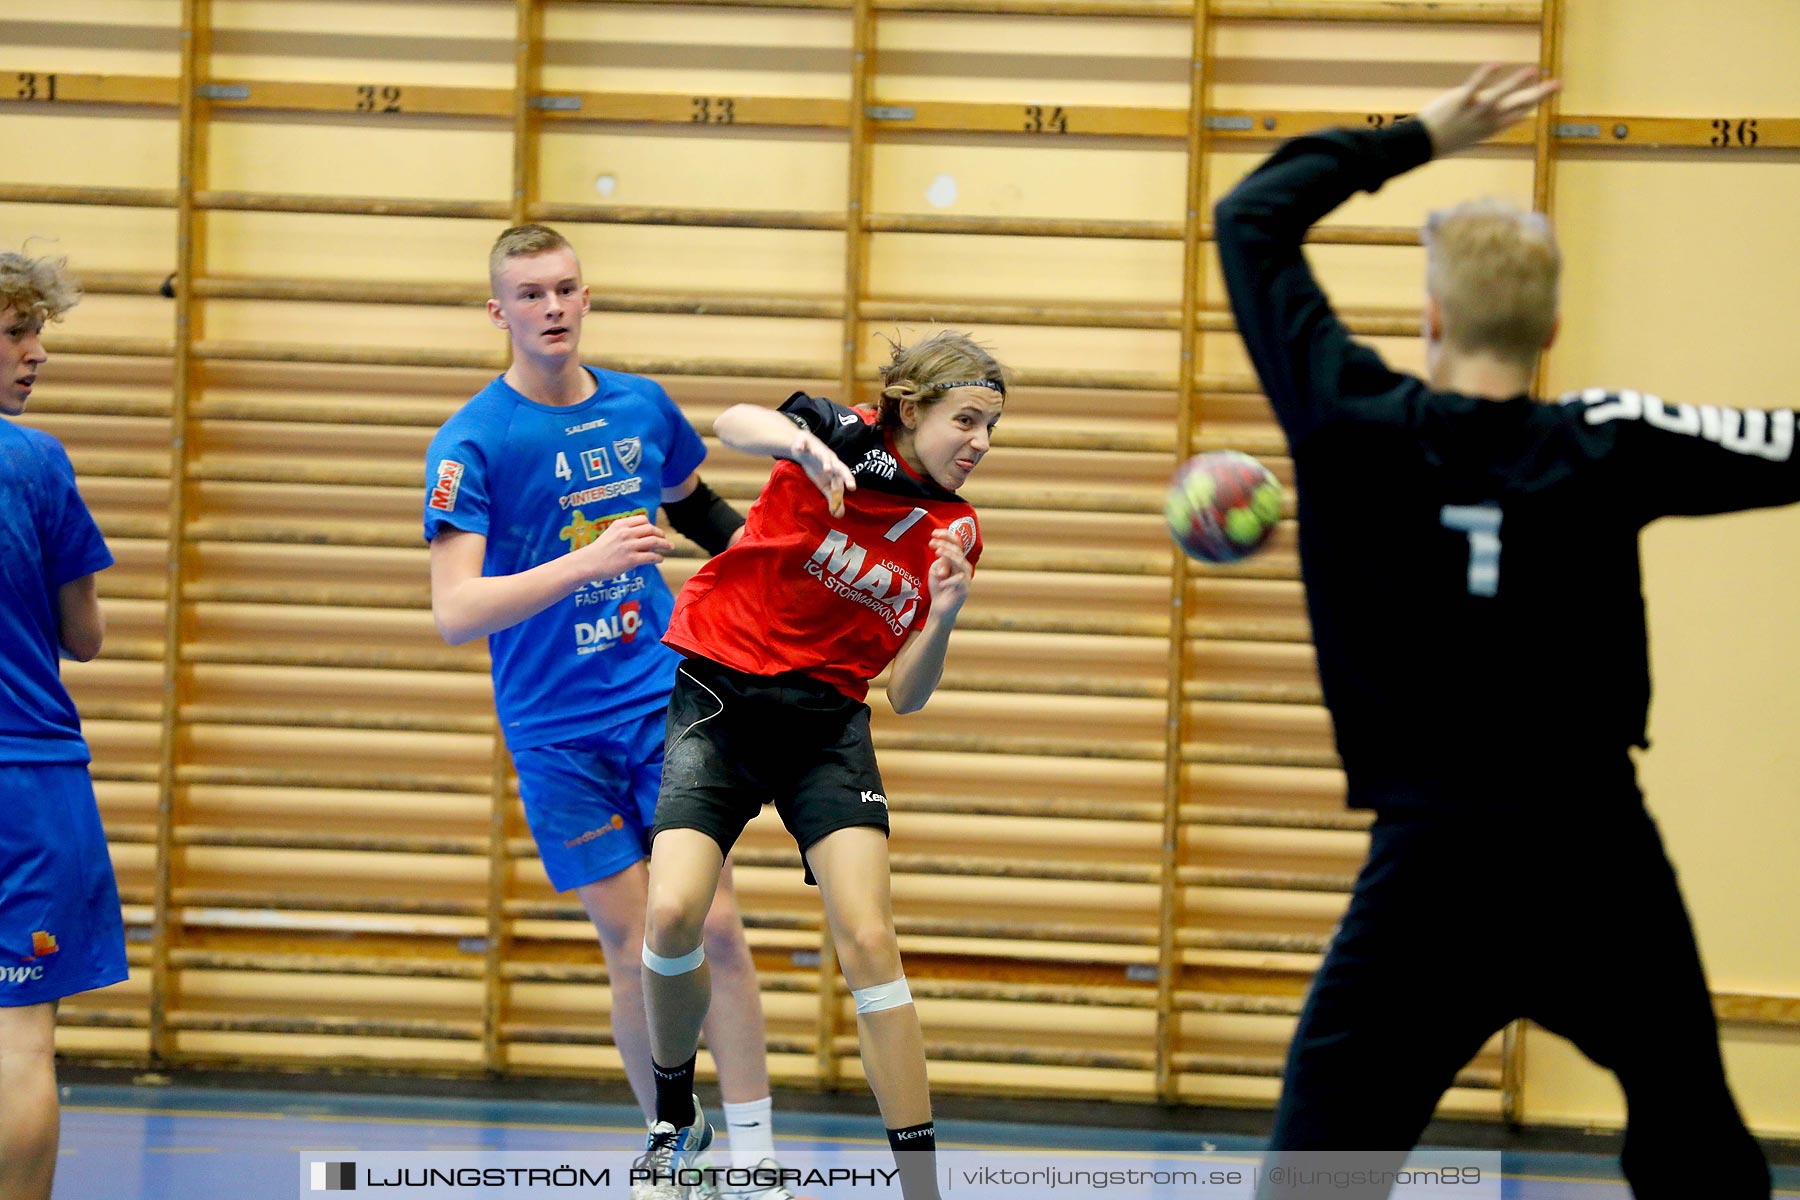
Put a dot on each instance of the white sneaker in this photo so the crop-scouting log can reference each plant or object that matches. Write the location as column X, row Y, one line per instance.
column 667, row 1153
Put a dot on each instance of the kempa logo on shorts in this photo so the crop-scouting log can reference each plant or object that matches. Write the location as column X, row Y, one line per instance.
column 449, row 479
column 334, row 1177
column 29, row 974
column 874, row 798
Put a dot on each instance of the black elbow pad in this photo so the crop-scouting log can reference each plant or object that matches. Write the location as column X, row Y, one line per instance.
column 705, row 517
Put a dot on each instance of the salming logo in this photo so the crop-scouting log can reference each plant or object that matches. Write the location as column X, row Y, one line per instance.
column 1767, row 435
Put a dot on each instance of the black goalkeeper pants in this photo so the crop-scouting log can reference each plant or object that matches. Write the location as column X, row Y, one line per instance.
column 1457, row 927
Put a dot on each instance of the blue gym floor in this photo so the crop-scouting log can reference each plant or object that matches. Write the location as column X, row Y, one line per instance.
column 135, row 1143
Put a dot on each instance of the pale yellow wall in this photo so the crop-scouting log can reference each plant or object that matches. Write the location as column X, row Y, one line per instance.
column 1680, row 281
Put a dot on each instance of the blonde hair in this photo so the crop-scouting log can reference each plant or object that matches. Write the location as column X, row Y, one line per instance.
column 1494, row 269
column 38, row 289
column 522, row 241
column 925, row 370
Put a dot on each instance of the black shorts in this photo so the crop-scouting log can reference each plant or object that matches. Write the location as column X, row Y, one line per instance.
column 737, row 742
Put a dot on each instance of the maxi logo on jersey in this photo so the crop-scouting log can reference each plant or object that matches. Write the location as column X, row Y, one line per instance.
column 449, row 480
column 838, row 564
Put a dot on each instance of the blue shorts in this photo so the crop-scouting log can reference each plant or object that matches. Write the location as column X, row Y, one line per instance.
column 60, row 928
column 590, row 802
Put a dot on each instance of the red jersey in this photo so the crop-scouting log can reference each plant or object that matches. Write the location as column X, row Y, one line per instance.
column 832, row 597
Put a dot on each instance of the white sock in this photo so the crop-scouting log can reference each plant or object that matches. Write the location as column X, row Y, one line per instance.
column 752, row 1126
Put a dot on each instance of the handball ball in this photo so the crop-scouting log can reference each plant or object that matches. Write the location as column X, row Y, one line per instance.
column 1222, row 506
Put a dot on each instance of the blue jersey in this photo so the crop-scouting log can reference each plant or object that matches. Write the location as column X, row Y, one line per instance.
column 538, row 481
column 47, row 538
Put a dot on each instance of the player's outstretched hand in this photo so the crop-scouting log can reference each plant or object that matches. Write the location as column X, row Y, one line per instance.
column 624, row 545
column 1490, row 101
column 948, row 578
column 824, row 468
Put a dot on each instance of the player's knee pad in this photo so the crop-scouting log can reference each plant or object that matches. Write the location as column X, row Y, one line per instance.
column 675, row 966
column 882, row 996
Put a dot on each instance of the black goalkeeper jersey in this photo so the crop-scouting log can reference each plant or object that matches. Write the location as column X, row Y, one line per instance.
column 1471, row 565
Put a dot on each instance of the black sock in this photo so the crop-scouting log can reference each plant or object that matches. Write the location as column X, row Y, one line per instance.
column 674, row 1093
column 915, row 1154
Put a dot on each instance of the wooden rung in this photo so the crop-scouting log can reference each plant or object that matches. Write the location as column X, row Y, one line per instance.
column 76, row 1016
column 320, row 595
column 285, row 777
column 125, row 587
column 1268, row 943
column 1084, row 562
column 393, row 534
column 391, row 1027
column 1254, row 693
column 1250, row 631
column 1274, row 818
column 1418, row 12
column 110, row 347
column 1241, row 1005
column 101, row 406
column 570, row 910
column 1056, row 227
column 704, row 218
column 342, row 473
column 395, row 905
column 101, row 464
column 1274, row 881
column 1122, row 749
column 123, row 773
column 121, row 710
column 1008, row 622
column 1025, row 931
column 991, row 868
column 1226, row 1064
column 342, row 656
column 367, row 356
column 1058, row 685
column 1024, row 1056
column 37, row 193
column 354, row 206
column 123, row 283
column 1050, row 809
column 122, row 833
column 1076, row 995
column 341, row 718
column 1256, row 756
column 411, row 967
column 425, row 415
column 281, row 839
column 1741, row 1008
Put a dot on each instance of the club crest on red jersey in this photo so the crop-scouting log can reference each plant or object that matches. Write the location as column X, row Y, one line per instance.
column 964, row 529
